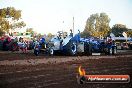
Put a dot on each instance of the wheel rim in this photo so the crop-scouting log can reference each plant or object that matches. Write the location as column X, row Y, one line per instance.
column 115, row 51
column 73, row 48
column 14, row 47
column 37, row 53
column 110, row 50
column 51, row 51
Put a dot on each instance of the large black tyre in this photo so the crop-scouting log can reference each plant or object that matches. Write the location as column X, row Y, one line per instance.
column 36, row 52
column 71, row 48
column 51, row 51
column 5, row 47
column 130, row 46
column 114, row 50
column 14, row 47
column 109, row 51
column 87, row 49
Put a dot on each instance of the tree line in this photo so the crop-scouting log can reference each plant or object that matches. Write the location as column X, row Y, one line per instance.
column 97, row 25
column 10, row 20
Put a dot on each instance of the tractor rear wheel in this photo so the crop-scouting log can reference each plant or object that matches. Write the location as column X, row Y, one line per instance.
column 114, row 50
column 110, row 51
column 87, row 49
column 71, row 48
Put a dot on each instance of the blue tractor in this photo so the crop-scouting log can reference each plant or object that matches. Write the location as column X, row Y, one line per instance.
column 100, row 46
column 40, row 46
column 69, row 45
column 73, row 45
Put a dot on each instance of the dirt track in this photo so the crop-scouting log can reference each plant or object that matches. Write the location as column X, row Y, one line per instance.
column 55, row 74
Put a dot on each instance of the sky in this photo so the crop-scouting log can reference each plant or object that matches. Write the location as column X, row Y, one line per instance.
column 50, row 16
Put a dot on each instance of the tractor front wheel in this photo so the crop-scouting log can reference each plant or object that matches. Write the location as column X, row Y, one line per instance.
column 51, row 51
column 36, row 52
column 14, row 47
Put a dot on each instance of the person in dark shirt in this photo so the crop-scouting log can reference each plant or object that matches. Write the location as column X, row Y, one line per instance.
column 110, row 40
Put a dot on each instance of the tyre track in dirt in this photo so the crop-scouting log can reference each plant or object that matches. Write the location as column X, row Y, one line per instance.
column 63, row 75
column 51, row 81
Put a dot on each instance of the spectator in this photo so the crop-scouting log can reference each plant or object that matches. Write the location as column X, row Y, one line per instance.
column 110, row 40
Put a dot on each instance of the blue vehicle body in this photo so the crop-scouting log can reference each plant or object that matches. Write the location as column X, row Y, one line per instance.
column 40, row 46
column 72, row 45
column 102, row 47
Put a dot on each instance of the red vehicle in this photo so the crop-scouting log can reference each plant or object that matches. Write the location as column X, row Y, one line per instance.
column 10, row 44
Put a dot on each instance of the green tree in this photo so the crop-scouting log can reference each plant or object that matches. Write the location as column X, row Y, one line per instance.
column 85, row 34
column 15, row 25
column 129, row 32
column 97, row 24
column 49, row 36
column 118, row 29
column 9, row 19
column 39, row 36
column 31, row 31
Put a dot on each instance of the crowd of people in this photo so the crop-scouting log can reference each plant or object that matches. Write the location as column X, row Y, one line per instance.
column 14, row 44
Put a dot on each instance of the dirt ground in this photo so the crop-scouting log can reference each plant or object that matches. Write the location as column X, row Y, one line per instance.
column 20, row 70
